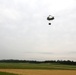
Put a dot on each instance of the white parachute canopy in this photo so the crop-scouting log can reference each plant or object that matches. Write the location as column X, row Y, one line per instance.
column 50, row 18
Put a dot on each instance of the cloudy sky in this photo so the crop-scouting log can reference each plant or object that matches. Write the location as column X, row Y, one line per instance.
column 25, row 33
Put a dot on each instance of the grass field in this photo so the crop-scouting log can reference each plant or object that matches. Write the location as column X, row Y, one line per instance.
column 37, row 66
column 6, row 73
column 37, row 69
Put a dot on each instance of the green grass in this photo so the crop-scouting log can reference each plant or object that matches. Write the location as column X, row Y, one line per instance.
column 36, row 66
column 5, row 73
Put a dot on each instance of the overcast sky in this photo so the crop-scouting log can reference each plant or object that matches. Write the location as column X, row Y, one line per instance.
column 25, row 33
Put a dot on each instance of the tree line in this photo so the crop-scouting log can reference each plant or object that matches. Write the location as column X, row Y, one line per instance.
column 66, row 62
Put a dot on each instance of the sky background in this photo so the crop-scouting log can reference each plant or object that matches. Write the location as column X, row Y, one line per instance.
column 25, row 33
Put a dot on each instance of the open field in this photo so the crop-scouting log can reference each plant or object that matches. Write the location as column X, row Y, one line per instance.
column 45, row 66
column 38, row 69
column 39, row 72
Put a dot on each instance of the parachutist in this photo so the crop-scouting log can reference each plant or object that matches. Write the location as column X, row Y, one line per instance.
column 49, row 23
column 50, row 18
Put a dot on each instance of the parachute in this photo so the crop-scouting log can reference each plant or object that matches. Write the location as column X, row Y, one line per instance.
column 49, row 18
